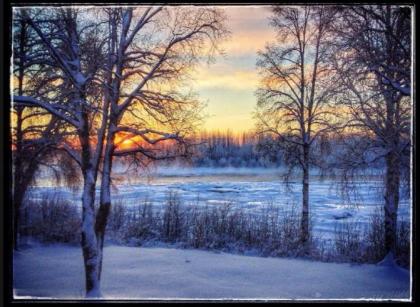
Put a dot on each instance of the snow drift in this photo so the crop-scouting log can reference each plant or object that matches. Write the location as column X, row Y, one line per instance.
column 163, row 273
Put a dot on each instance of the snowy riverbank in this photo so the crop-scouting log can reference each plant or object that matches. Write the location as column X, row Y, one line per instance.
column 56, row 271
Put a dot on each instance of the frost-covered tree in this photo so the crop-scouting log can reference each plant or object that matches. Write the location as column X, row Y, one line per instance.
column 121, row 70
column 297, row 86
column 34, row 133
column 76, row 52
column 373, row 57
column 150, row 53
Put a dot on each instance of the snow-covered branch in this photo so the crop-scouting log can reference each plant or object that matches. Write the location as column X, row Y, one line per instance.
column 53, row 108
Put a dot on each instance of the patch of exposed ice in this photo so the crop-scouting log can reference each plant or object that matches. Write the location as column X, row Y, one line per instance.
column 342, row 215
column 219, row 202
column 223, row 190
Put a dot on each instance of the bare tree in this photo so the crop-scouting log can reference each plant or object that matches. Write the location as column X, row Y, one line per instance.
column 373, row 57
column 295, row 97
column 120, row 73
column 34, row 132
column 63, row 39
column 151, row 110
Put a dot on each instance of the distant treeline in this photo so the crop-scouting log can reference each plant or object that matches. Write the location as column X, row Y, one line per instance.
column 221, row 149
column 248, row 149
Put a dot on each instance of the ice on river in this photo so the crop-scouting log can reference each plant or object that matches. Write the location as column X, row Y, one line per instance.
column 249, row 189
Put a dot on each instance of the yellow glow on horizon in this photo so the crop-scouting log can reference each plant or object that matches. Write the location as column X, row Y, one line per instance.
column 228, row 86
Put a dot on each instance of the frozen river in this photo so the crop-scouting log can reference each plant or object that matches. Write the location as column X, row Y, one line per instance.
column 251, row 189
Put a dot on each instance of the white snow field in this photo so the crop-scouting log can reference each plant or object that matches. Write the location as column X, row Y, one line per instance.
column 56, row 271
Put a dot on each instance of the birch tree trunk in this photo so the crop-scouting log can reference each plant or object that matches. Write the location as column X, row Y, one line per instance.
column 89, row 240
column 17, row 175
column 18, row 194
column 305, row 196
column 391, row 201
column 17, row 205
column 22, row 179
column 105, row 198
column 392, row 175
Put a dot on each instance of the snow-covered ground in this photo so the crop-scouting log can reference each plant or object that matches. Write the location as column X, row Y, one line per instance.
column 162, row 273
column 250, row 189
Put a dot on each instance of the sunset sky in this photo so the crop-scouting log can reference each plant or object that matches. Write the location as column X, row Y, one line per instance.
column 228, row 85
